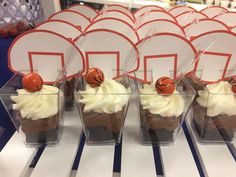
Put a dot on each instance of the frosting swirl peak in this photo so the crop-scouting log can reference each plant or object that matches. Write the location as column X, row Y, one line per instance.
column 109, row 97
column 218, row 98
column 166, row 106
column 37, row 105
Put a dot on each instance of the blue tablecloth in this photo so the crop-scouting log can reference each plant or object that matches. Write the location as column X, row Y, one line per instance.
column 5, row 74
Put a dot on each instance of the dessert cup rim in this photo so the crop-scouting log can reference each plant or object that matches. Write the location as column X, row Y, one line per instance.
column 4, row 92
column 213, row 93
column 127, row 93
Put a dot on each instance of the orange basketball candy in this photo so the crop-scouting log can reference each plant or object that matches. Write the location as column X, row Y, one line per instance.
column 165, row 85
column 233, row 87
column 32, row 82
column 94, row 77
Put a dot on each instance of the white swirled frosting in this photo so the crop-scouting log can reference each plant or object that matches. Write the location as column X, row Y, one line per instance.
column 109, row 97
column 221, row 99
column 37, row 105
column 166, row 106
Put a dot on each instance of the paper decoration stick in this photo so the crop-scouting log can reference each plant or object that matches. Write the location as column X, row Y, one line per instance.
column 103, row 11
column 183, row 70
column 190, row 14
column 71, row 55
column 189, row 59
column 129, row 61
column 194, row 22
column 148, row 35
column 139, row 20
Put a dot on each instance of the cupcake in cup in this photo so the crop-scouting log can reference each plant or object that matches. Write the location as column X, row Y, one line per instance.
column 36, row 109
column 214, row 113
column 163, row 107
column 102, row 105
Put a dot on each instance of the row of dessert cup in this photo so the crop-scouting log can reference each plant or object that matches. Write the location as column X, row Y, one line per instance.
column 103, row 105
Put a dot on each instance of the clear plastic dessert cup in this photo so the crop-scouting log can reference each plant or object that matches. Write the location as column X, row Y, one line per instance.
column 162, row 115
column 214, row 113
column 103, row 112
column 38, row 116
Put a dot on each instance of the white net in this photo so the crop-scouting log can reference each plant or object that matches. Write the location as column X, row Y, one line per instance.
column 12, row 11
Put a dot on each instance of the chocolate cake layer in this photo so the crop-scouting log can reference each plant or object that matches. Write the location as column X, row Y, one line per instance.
column 69, row 93
column 156, row 135
column 213, row 134
column 156, row 121
column 103, row 126
column 44, row 137
column 217, row 128
column 42, row 131
column 100, row 133
column 112, row 122
column 157, row 129
column 32, row 126
column 220, row 121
